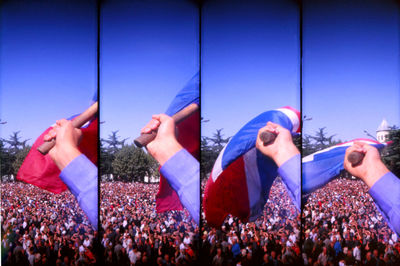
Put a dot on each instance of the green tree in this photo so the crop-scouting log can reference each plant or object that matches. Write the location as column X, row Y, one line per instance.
column 307, row 146
column 208, row 157
column 322, row 140
column 132, row 164
column 218, row 140
column 19, row 159
column 14, row 142
column 391, row 154
column 113, row 142
column 108, row 148
column 6, row 161
column 9, row 149
column 106, row 159
column 153, row 167
column 210, row 149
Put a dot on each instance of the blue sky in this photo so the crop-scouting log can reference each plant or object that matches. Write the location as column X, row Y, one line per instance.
column 250, row 61
column 351, row 66
column 48, row 63
column 149, row 50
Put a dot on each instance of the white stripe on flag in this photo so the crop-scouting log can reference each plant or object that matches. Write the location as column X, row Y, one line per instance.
column 292, row 116
column 310, row 157
column 217, row 169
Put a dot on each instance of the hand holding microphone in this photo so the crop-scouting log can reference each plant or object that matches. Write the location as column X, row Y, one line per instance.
column 164, row 145
column 276, row 142
column 363, row 161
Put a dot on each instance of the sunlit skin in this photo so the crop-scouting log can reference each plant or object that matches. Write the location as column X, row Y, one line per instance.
column 371, row 167
column 165, row 145
column 67, row 139
column 282, row 148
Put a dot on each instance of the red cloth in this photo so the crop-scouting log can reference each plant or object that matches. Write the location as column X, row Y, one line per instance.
column 189, row 138
column 217, row 207
column 41, row 171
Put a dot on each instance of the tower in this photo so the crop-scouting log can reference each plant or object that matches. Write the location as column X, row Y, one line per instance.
column 382, row 133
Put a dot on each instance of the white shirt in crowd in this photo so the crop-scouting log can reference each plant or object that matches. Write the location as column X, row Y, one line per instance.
column 357, row 253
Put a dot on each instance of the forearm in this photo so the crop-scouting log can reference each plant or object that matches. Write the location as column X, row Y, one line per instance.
column 64, row 155
column 162, row 153
column 374, row 173
column 386, row 194
column 80, row 176
column 182, row 172
column 290, row 173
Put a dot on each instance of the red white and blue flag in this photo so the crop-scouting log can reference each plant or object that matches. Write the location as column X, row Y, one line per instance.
column 40, row 170
column 321, row 167
column 188, row 137
column 242, row 176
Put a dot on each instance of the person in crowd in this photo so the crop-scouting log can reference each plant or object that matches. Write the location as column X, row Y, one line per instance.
column 132, row 231
column 41, row 228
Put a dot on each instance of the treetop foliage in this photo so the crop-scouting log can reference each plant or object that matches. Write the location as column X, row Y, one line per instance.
column 210, row 148
column 12, row 154
column 319, row 141
column 125, row 162
column 391, row 154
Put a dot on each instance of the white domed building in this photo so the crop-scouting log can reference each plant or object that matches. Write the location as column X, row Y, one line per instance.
column 382, row 133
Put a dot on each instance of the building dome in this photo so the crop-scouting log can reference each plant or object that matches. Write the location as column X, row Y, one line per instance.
column 383, row 126
column 382, row 132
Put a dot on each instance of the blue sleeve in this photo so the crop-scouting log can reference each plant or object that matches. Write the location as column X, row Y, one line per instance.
column 182, row 172
column 80, row 176
column 290, row 173
column 386, row 194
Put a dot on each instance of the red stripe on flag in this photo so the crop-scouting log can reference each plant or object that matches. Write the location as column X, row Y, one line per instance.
column 227, row 195
column 166, row 198
column 88, row 145
column 189, row 134
column 189, row 138
column 41, row 171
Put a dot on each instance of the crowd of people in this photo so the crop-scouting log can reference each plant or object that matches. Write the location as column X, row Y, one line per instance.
column 42, row 228
column 133, row 233
column 342, row 226
column 272, row 239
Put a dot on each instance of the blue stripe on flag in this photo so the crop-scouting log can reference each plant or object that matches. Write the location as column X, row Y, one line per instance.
column 188, row 95
column 268, row 171
column 325, row 166
column 246, row 138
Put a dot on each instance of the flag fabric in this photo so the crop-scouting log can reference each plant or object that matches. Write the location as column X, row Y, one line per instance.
column 321, row 167
column 41, row 171
column 188, row 137
column 242, row 176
